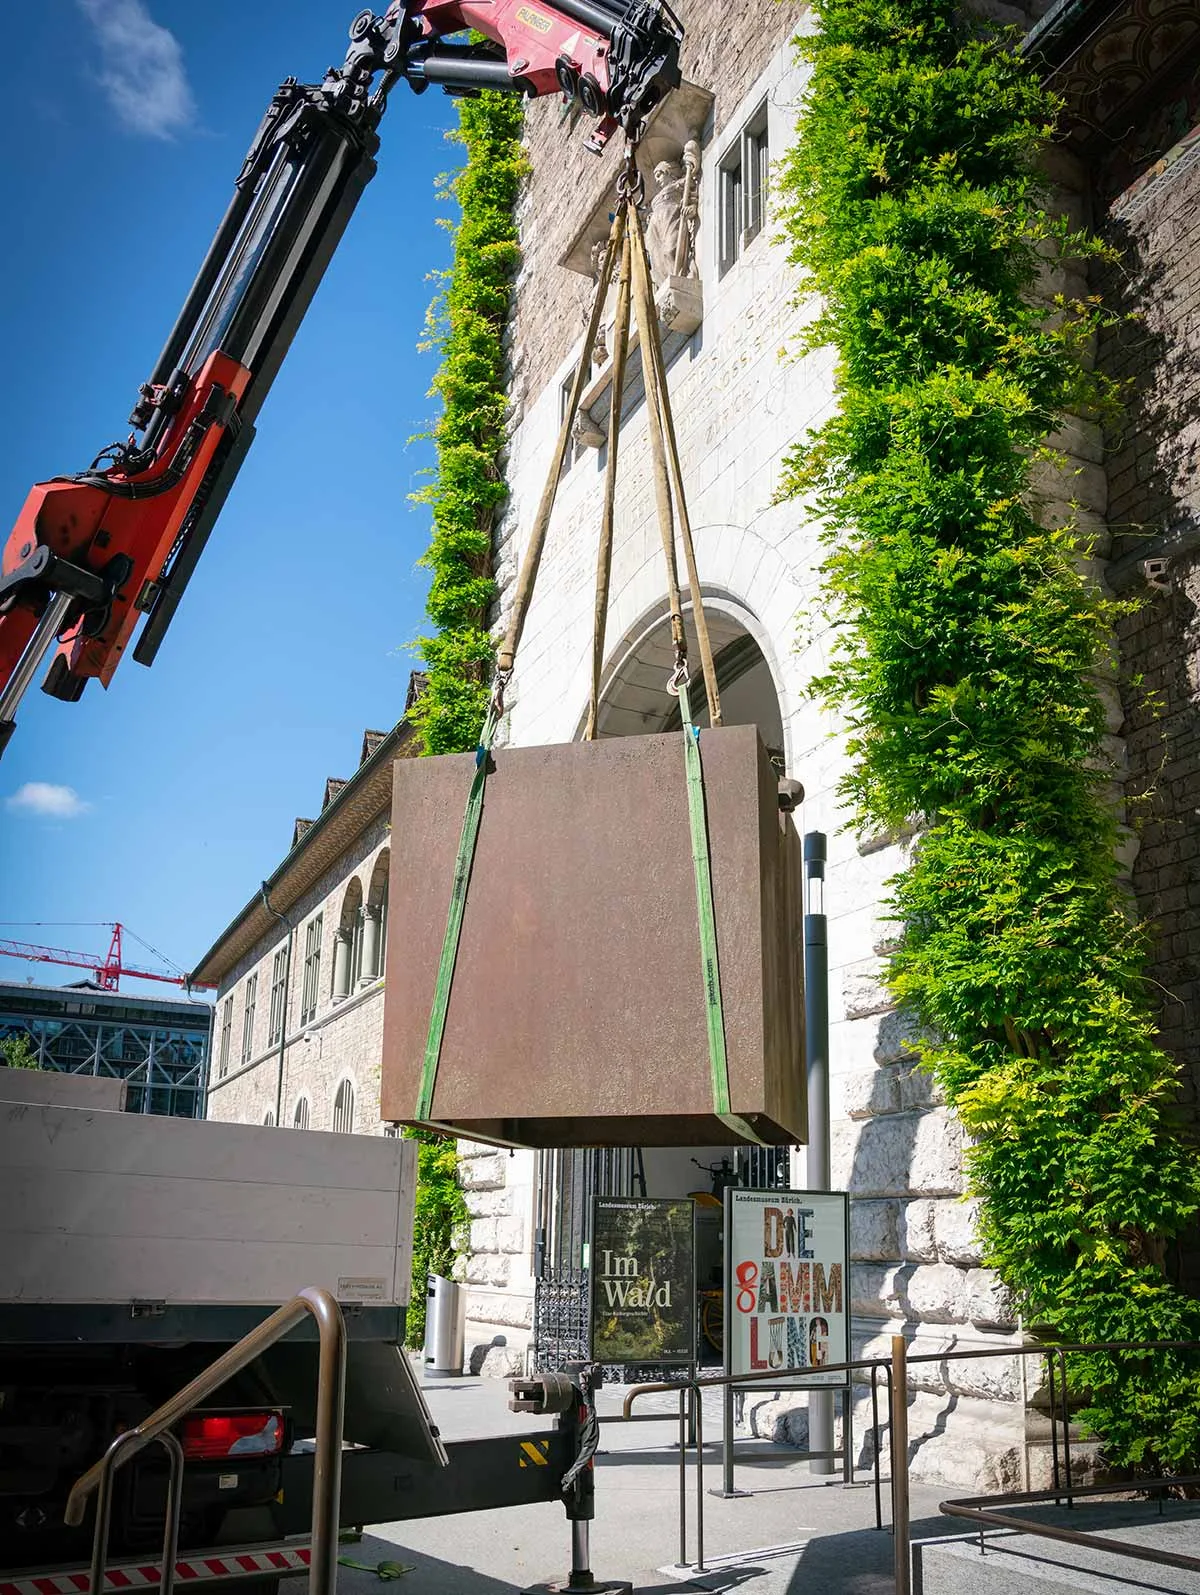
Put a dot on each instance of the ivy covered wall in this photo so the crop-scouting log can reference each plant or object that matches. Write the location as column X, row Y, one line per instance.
column 466, row 327
column 967, row 638
column 439, row 1220
column 912, row 203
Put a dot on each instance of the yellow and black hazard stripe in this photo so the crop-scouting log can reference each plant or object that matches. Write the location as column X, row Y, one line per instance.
column 534, row 1454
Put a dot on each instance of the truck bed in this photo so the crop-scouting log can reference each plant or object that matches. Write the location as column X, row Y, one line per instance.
column 139, row 1212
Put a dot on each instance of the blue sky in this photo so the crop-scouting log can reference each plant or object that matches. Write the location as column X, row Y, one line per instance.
column 124, row 123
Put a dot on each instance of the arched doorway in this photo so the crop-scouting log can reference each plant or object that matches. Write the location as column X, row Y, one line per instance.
column 634, row 701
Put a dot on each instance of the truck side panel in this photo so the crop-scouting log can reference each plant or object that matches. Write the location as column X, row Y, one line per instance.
column 68, row 1090
column 116, row 1208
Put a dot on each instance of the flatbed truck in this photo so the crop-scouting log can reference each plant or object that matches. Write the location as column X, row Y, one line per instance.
column 136, row 1250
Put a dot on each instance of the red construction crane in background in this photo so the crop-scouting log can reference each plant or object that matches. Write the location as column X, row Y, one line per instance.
column 107, row 970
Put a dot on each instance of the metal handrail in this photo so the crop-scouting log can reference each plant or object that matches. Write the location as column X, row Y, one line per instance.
column 170, row 1545
column 1053, row 1352
column 772, row 1376
column 895, row 1368
column 327, row 1460
column 975, row 1511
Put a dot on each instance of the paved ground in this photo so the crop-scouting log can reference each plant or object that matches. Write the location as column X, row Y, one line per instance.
column 1019, row 1564
column 791, row 1535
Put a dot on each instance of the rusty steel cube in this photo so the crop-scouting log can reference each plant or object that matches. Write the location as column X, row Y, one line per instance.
column 577, row 1011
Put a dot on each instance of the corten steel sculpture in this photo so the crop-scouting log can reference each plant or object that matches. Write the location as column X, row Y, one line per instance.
column 577, row 1010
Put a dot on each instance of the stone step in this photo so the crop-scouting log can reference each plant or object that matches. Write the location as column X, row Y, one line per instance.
column 1040, row 1448
column 1025, row 1564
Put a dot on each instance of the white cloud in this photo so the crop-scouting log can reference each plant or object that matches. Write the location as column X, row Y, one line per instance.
column 141, row 67
column 49, row 801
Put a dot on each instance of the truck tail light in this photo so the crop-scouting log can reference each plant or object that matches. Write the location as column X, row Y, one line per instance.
column 211, row 1436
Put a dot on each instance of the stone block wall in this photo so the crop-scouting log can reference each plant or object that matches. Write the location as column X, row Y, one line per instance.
column 496, row 1269
column 915, row 1259
column 1154, row 494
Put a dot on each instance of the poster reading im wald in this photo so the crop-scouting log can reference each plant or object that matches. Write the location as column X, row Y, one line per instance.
column 643, row 1280
column 786, row 1282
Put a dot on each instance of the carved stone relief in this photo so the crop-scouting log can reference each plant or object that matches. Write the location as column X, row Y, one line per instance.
column 674, row 215
column 669, row 159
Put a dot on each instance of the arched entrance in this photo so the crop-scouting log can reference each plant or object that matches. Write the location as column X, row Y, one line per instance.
column 634, row 702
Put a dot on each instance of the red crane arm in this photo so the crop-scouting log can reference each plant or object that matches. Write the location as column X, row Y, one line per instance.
column 34, row 954
column 107, row 970
column 94, row 553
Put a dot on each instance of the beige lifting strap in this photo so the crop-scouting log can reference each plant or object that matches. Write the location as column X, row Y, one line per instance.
column 668, row 479
column 541, row 521
column 625, row 255
column 635, row 293
column 604, row 554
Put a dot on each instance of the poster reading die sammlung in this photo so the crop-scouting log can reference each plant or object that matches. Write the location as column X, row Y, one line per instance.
column 787, row 1296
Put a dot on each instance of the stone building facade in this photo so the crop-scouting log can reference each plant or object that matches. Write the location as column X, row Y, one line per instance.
column 1137, row 134
column 742, row 393
column 299, row 972
column 1128, row 163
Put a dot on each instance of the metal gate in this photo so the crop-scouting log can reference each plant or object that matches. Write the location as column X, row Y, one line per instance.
column 763, row 1168
column 566, row 1181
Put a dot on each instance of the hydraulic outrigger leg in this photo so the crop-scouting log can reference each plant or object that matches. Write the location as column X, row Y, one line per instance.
column 555, row 1392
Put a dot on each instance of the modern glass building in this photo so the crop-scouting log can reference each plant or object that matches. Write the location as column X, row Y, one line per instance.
column 158, row 1045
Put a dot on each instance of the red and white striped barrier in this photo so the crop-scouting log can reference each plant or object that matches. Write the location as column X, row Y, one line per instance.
column 188, row 1570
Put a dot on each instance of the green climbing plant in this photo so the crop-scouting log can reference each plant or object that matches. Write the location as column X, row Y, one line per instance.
column 439, row 1222
column 965, row 643
column 466, row 325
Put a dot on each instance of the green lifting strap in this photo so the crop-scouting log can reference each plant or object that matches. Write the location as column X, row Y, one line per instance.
column 458, row 903
column 698, row 821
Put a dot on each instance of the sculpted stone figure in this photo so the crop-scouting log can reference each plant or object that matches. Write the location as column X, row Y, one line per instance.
column 674, row 211
column 596, row 257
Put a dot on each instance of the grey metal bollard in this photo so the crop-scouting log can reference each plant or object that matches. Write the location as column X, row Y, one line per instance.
column 445, row 1328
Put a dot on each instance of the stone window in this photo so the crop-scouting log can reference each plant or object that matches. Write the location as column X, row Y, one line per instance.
column 731, row 207
column 269, row 1119
column 742, row 178
column 343, row 1108
column 574, row 446
column 248, row 1018
column 312, row 969
column 226, row 1037
column 375, row 921
column 758, row 175
column 348, row 944
column 278, row 997
column 300, row 1115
